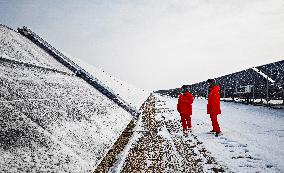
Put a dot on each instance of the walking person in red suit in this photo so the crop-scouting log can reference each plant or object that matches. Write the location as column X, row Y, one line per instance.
column 184, row 107
column 213, row 106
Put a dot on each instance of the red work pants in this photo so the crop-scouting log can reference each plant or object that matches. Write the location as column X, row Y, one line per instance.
column 215, row 123
column 185, row 121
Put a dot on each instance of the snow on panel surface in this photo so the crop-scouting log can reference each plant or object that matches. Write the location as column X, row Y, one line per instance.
column 252, row 139
column 54, row 122
column 131, row 94
column 16, row 47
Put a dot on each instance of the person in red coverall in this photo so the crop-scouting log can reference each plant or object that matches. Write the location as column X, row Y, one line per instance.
column 213, row 106
column 184, row 107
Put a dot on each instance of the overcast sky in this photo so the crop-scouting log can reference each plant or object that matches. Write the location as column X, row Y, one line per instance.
column 158, row 44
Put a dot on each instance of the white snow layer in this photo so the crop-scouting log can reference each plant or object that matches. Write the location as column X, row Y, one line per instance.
column 16, row 47
column 264, row 75
column 118, row 165
column 51, row 121
column 252, row 139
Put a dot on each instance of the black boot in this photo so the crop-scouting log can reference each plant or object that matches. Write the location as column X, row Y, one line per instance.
column 217, row 134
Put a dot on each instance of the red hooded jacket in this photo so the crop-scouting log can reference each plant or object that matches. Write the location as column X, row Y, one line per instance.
column 213, row 106
column 184, row 103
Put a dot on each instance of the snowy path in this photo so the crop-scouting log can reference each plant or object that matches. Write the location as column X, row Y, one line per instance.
column 161, row 146
column 252, row 139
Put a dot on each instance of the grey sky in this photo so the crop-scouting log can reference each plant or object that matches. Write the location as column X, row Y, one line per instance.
column 158, row 44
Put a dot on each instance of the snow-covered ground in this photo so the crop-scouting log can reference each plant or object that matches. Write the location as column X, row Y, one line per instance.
column 159, row 145
column 252, row 137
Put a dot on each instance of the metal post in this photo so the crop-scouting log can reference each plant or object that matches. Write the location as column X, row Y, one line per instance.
column 253, row 89
column 237, row 95
column 253, row 93
column 267, row 90
column 283, row 96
